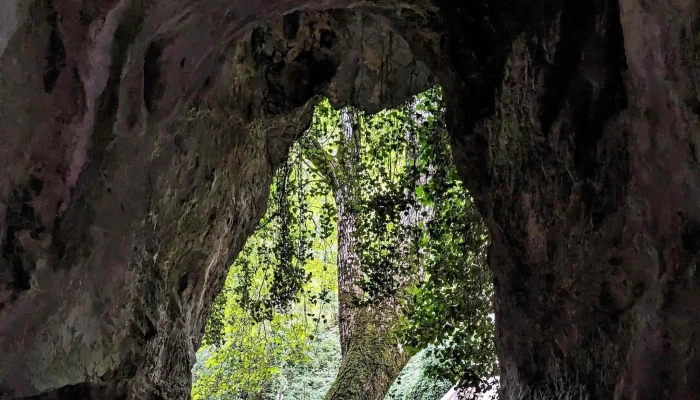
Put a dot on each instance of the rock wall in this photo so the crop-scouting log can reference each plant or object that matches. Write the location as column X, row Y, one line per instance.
column 122, row 214
column 585, row 164
column 138, row 139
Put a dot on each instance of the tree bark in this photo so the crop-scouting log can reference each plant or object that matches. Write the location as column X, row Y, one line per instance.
column 373, row 360
column 372, row 356
column 345, row 195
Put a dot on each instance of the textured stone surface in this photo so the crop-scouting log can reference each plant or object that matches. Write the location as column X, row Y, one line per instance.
column 118, row 228
column 138, row 140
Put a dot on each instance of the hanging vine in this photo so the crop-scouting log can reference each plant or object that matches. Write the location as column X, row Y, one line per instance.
column 420, row 239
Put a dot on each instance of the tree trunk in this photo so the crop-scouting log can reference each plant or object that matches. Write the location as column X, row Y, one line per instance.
column 371, row 355
column 344, row 193
column 373, row 359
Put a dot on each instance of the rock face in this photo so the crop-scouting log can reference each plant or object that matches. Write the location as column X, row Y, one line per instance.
column 138, row 140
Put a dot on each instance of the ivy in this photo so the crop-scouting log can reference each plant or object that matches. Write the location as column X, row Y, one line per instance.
column 419, row 237
column 452, row 305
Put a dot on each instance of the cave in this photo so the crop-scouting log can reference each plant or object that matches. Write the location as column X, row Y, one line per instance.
column 138, row 141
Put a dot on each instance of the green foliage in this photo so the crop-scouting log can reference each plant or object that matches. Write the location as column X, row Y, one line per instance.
column 451, row 305
column 252, row 354
column 287, row 243
column 420, row 238
column 278, row 297
column 311, row 380
column 416, row 383
column 389, row 222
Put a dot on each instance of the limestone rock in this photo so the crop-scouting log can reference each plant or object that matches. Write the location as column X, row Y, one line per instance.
column 138, row 139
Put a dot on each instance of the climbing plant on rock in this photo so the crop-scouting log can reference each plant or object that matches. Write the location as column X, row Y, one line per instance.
column 452, row 304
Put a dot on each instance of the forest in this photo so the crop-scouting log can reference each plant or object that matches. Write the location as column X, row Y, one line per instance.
column 367, row 277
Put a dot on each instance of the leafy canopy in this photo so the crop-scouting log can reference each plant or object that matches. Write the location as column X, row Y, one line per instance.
column 280, row 295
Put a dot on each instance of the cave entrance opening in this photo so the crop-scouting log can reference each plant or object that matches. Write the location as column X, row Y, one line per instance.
column 367, row 223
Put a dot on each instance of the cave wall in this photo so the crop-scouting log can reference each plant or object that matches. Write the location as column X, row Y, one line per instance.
column 138, row 140
column 584, row 163
column 123, row 209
